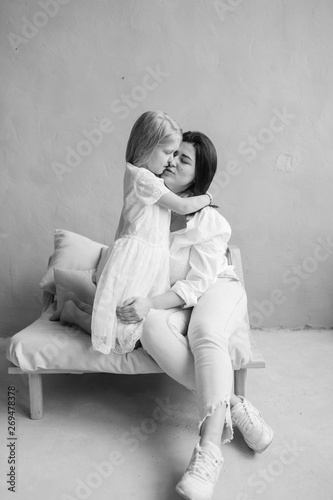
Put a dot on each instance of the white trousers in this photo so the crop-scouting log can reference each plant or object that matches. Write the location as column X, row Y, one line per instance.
column 201, row 362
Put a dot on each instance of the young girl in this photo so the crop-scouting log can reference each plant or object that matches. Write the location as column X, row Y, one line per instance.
column 138, row 261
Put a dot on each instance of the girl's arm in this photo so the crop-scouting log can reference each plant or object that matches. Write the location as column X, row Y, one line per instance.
column 184, row 206
column 149, row 189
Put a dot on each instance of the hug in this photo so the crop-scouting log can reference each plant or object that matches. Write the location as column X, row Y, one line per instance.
column 166, row 287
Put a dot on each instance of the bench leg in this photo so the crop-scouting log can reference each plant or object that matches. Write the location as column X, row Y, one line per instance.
column 240, row 382
column 35, row 395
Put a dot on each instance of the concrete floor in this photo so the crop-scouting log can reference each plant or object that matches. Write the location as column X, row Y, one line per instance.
column 110, row 437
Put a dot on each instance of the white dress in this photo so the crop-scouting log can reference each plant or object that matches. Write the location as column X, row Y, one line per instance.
column 138, row 264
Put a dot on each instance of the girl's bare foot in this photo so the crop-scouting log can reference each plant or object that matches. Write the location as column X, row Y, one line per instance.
column 70, row 296
column 55, row 316
column 68, row 313
column 71, row 314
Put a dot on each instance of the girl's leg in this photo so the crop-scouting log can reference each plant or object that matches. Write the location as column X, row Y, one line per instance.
column 72, row 314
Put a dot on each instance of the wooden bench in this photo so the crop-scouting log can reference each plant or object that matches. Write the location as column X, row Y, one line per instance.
column 35, row 378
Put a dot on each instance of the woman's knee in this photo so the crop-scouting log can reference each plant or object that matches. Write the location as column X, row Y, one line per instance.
column 208, row 337
column 216, row 320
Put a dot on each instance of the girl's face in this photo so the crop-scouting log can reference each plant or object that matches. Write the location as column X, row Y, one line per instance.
column 162, row 155
column 180, row 173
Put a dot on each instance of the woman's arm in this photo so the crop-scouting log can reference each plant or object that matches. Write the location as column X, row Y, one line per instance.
column 137, row 308
column 185, row 292
column 184, row 206
column 207, row 247
column 205, row 265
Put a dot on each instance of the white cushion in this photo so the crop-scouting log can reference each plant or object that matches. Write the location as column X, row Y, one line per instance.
column 47, row 345
column 71, row 251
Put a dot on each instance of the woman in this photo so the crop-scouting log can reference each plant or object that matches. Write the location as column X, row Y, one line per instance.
column 201, row 279
column 197, row 257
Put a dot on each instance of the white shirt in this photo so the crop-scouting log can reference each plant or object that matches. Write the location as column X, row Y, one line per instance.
column 198, row 255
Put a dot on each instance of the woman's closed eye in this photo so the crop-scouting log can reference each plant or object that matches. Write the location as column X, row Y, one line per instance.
column 186, row 159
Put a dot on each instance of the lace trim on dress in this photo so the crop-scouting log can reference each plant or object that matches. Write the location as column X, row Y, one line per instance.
column 124, row 343
column 101, row 347
column 130, row 335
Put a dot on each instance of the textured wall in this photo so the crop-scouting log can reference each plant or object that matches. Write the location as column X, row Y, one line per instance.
column 255, row 76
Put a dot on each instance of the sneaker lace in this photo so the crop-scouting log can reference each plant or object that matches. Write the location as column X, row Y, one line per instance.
column 204, row 465
column 245, row 420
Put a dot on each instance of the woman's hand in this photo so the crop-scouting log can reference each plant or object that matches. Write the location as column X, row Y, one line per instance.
column 134, row 309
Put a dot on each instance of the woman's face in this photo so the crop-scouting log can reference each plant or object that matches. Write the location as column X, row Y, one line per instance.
column 180, row 173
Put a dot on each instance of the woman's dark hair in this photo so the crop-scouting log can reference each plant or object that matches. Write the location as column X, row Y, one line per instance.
column 205, row 162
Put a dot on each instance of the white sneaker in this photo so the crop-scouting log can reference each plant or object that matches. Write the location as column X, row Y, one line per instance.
column 257, row 434
column 201, row 475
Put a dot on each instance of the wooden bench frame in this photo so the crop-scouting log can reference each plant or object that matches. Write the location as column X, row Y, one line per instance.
column 35, row 378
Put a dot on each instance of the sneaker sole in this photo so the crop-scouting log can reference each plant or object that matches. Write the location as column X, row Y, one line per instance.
column 262, row 449
column 182, row 493
column 186, row 496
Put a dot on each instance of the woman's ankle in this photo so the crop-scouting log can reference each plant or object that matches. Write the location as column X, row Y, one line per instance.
column 234, row 400
column 212, row 427
column 205, row 441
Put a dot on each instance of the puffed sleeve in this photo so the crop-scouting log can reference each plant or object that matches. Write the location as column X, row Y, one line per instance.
column 147, row 187
column 207, row 258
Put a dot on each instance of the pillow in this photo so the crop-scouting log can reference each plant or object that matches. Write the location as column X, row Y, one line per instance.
column 71, row 251
column 78, row 282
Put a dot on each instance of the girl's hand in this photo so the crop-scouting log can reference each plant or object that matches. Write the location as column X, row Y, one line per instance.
column 134, row 309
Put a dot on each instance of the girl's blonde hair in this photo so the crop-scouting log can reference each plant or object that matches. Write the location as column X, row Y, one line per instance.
column 152, row 129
